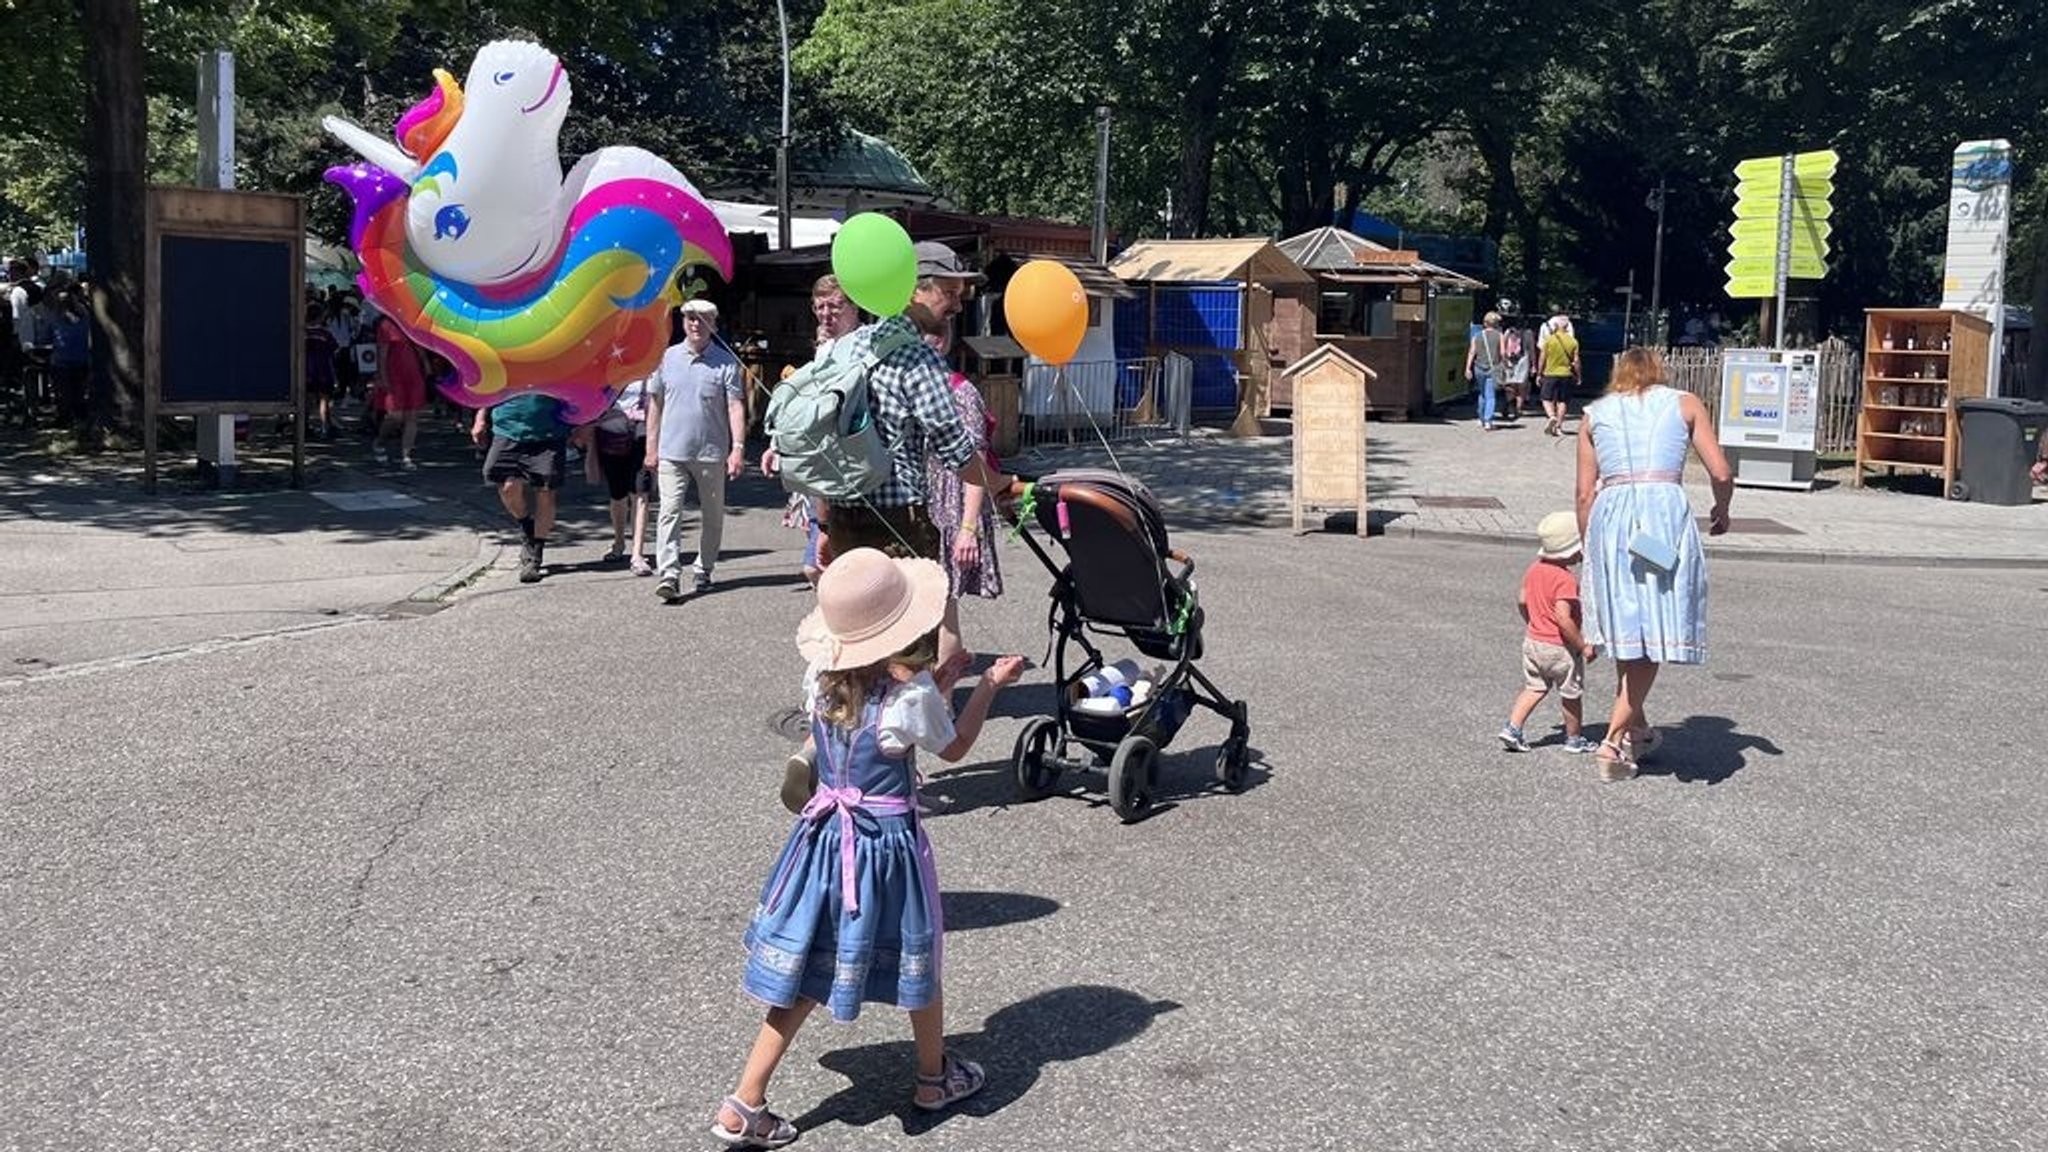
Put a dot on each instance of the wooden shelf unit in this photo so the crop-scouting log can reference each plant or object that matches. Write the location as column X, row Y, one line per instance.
column 1907, row 418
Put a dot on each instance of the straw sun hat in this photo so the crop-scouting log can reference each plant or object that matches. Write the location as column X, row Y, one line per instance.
column 1557, row 535
column 871, row 607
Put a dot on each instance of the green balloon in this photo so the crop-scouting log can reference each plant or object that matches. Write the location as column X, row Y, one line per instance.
column 875, row 263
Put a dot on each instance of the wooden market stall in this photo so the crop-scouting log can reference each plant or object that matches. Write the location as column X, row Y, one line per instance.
column 1240, row 309
column 1388, row 308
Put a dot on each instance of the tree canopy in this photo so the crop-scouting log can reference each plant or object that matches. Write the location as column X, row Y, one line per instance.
column 1541, row 125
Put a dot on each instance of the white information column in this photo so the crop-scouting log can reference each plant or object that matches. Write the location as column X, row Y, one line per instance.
column 1979, row 220
column 1770, row 409
column 217, row 170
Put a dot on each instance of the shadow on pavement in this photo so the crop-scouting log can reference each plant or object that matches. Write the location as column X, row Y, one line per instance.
column 1180, row 777
column 1706, row 750
column 967, row 911
column 1014, row 1047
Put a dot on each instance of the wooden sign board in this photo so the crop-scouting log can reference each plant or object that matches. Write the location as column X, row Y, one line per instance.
column 224, row 321
column 1329, row 432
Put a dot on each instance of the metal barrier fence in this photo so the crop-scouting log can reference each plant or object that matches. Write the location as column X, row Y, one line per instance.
column 1698, row 371
column 1116, row 400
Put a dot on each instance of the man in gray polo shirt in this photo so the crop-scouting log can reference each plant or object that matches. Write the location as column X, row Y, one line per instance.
column 696, row 434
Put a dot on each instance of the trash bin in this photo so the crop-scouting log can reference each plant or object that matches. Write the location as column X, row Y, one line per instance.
column 2001, row 438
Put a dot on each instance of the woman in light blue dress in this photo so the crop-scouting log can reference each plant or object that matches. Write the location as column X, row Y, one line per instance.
column 1645, row 575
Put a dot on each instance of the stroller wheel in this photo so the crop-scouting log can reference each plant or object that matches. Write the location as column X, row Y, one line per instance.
column 1130, row 777
column 1037, row 772
column 1233, row 759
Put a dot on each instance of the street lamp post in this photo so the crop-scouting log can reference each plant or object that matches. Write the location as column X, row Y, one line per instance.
column 782, row 224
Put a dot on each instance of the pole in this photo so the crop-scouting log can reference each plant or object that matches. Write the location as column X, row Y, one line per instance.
column 1786, row 189
column 1657, row 272
column 782, row 222
column 1099, row 242
column 1628, row 310
column 217, row 170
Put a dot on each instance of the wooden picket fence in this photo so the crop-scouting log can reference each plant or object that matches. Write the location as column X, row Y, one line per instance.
column 1698, row 371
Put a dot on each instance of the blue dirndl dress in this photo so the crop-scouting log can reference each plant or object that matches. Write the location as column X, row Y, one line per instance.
column 851, row 913
column 1636, row 611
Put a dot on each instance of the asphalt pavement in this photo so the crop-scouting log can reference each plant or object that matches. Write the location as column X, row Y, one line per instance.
column 473, row 876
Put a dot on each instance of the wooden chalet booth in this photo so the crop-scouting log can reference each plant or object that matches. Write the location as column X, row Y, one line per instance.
column 1388, row 308
column 1241, row 310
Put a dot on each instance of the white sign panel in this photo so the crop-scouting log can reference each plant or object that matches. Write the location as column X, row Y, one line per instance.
column 1979, row 203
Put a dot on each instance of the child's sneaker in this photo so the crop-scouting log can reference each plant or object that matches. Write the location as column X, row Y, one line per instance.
column 1580, row 746
column 1511, row 739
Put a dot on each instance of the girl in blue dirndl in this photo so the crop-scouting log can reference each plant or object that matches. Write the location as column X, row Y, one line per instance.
column 850, row 914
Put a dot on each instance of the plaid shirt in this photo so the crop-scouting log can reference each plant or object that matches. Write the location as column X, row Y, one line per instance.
column 914, row 413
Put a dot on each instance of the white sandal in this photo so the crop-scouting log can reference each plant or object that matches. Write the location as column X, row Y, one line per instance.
column 759, row 1128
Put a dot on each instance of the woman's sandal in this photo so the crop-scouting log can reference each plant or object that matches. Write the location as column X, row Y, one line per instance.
column 759, row 1128
column 957, row 1080
column 1615, row 765
column 1644, row 742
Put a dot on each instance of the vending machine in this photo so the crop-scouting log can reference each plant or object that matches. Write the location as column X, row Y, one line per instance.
column 1770, row 409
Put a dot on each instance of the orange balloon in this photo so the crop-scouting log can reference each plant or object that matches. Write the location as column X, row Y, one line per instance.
column 1047, row 310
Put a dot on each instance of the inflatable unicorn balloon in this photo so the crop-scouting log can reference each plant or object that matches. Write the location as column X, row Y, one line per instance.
column 472, row 239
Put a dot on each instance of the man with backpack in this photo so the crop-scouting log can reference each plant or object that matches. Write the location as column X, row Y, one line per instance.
column 855, row 426
column 696, row 435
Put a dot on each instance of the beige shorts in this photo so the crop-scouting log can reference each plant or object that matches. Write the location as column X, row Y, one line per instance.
column 1550, row 666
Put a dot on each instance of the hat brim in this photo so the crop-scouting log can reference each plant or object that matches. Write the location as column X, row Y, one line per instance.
column 1573, row 549
column 951, row 274
column 814, row 640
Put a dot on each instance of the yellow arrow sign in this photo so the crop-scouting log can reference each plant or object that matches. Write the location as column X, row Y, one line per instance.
column 1810, row 187
column 1755, row 207
column 1821, row 164
column 1752, row 288
column 1803, row 267
column 1804, row 228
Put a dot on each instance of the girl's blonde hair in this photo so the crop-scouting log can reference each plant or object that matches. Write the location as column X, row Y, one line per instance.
column 1634, row 371
column 844, row 693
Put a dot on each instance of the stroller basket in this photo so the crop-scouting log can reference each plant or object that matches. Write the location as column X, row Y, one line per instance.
column 1120, row 578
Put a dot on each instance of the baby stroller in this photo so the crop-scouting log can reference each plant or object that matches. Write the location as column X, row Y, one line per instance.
column 1116, row 582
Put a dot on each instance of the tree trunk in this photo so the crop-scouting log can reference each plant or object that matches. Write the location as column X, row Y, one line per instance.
column 1504, row 203
column 1201, row 114
column 115, row 196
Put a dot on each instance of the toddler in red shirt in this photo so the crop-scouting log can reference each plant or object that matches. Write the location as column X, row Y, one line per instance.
column 1554, row 650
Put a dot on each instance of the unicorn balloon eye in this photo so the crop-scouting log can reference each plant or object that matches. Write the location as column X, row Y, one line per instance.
column 473, row 241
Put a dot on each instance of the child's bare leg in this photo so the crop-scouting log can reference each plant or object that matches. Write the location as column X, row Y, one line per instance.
column 1574, row 716
column 928, row 1035
column 1525, row 704
column 770, row 1045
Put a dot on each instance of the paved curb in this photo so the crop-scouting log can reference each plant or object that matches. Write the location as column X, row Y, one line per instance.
column 487, row 553
column 1180, row 518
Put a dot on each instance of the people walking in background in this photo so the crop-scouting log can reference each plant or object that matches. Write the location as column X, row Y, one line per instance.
column 1485, row 367
column 620, row 459
column 1646, row 574
column 318, row 344
column 696, row 435
column 850, row 915
column 963, row 512
column 1554, row 649
column 401, row 392
column 1557, row 358
column 526, row 461
column 70, row 358
column 1515, row 345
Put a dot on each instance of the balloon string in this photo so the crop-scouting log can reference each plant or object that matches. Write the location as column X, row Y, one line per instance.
column 1059, row 378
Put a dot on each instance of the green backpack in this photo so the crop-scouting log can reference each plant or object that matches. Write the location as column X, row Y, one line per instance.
column 821, row 422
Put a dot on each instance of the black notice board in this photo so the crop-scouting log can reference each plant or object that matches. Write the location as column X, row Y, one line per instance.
column 228, row 335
